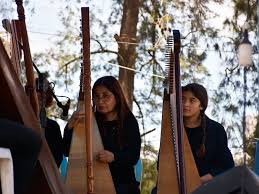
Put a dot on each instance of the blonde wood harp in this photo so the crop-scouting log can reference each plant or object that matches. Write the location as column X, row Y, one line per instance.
column 177, row 170
column 85, row 173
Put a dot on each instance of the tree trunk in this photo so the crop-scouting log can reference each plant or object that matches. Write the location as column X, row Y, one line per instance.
column 127, row 52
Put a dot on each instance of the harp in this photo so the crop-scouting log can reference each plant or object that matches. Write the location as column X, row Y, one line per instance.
column 22, row 108
column 13, row 28
column 177, row 172
column 85, row 174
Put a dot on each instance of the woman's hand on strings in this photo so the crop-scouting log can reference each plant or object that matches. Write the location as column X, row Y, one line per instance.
column 206, row 178
column 105, row 156
column 75, row 118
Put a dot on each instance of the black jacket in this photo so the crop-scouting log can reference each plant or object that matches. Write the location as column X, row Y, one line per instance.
column 122, row 169
column 54, row 139
column 218, row 157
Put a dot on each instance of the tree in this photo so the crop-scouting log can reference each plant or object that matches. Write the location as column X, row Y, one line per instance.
column 127, row 52
column 5, row 9
column 232, row 81
column 149, row 58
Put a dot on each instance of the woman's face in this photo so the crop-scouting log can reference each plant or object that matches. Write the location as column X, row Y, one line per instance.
column 104, row 100
column 191, row 105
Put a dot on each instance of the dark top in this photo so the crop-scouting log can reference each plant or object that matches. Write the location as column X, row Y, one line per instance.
column 25, row 146
column 67, row 138
column 218, row 157
column 122, row 168
column 54, row 139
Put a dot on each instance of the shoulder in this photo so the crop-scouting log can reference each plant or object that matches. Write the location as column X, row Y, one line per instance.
column 209, row 121
column 131, row 121
column 52, row 123
column 130, row 118
column 214, row 126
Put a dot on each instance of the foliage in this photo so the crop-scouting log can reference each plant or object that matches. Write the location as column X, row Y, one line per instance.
column 149, row 168
column 149, row 58
column 229, row 98
column 251, row 147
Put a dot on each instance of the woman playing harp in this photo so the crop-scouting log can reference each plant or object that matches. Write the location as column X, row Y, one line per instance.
column 119, row 131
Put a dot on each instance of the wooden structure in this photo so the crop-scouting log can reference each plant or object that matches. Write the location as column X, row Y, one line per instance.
column 22, row 107
column 177, row 172
column 85, row 173
column 6, row 171
column 17, row 107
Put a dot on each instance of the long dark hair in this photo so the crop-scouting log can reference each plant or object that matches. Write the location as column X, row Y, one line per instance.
column 201, row 93
column 122, row 108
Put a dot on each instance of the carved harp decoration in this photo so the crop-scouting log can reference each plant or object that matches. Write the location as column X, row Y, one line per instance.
column 177, row 170
column 87, row 99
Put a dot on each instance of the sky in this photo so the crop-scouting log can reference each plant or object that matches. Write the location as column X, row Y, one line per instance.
column 44, row 24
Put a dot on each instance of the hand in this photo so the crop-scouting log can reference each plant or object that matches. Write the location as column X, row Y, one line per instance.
column 75, row 118
column 105, row 156
column 206, row 178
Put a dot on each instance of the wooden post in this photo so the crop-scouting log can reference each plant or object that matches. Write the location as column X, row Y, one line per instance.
column 87, row 98
column 30, row 86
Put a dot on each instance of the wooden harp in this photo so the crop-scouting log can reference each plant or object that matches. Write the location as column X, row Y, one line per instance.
column 177, row 172
column 30, row 86
column 86, row 132
column 16, row 106
column 13, row 28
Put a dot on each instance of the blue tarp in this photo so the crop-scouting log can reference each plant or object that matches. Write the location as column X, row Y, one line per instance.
column 63, row 167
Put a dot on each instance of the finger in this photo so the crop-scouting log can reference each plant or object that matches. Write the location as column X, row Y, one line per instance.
column 102, row 152
column 101, row 155
column 103, row 159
